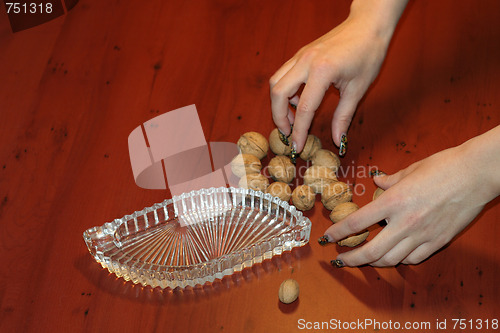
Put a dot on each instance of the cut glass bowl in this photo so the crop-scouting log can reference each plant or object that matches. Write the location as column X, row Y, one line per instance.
column 198, row 237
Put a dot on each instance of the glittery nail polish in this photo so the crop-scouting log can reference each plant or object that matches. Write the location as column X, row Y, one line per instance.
column 337, row 263
column 323, row 240
column 375, row 173
column 283, row 138
column 343, row 144
column 293, row 155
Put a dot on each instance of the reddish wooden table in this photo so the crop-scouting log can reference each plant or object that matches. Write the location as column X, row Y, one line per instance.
column 74, row 88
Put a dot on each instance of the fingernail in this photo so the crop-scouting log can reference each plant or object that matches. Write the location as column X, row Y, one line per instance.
column 293, row 155
column 293, row 106
column 323, row 240
column 375, row 173
column 343, row 144
column 283, row 137
column 337, row 263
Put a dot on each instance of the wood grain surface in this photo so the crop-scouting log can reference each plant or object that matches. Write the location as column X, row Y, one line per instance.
column 72, row 89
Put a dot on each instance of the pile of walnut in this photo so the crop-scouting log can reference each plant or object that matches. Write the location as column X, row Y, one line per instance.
column 320, row 178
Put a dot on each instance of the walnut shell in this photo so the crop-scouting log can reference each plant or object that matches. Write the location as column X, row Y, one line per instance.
column 289, row 291
column 377, row 193
column 326, row 158
column 281, row 169
column 339, row 213
column 342, row 210
column 303, row 197
column 243, row 164
column 253, row 143
column 280, row 190
column 354, row 240
column 318, row 176
column 313, row 143
column 276, row 145
column 254, row 181
column 335, row 193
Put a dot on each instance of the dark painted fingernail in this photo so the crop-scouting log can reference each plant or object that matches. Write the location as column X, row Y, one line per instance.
column 375, row 173
column 343, row 144
column 293, row 106
column 337, row 263
column 323, row 240
column 293, row 155
column 283, row 137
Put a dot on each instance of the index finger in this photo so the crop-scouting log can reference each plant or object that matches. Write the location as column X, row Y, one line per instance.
column 310, row 99
column 283, row 87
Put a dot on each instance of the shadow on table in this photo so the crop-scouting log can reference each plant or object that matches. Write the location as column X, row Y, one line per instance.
column 109, row 283
column 456, row 276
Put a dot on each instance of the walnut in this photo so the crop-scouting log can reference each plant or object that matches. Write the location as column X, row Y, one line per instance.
column 282, row 169
column 253, row 143
column 339, row 213
column 313, row 143
column 276, row 145
column 335, row 193
column 289, row 291
column 342, row 210
column 254, row 181
column 326, row 158
column 280, row 190
column 318, row 176
column 244, row 164
column 303, row 197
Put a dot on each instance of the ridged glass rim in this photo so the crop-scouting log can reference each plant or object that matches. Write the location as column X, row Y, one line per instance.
column 147, row 275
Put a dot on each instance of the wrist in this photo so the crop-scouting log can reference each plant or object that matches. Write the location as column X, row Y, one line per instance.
column 380, row 16
column 482, row 155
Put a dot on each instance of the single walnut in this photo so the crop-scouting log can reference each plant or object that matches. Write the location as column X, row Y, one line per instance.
column 276, row 145
column 326, row 158
column 254, row 181
column 280, row 190
column 253, row 143
column 313, row 143
column 340, row 212
column 303, row 197
column 318, row 176
column 244, row 164
column 282, row 169
column 289, row 291
column 335, row 193
column 377, row 193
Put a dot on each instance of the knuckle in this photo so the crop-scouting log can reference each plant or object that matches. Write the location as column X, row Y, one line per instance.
column 276, row 91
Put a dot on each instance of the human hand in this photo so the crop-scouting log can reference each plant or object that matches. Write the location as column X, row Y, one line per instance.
column 349, row 57
column 425, row 206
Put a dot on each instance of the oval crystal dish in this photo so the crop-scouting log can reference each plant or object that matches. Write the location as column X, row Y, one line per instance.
column 198, row 237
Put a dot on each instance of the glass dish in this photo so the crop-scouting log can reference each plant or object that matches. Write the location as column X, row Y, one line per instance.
column 198, row 237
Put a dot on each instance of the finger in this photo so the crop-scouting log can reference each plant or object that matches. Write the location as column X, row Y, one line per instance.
column 358, row 221
column 372, row 251
column 310, row 99
column 397, row 254
column 386, row 181
column 286, row 87
column 421, row 253
column 282, row 71
column 343, row 114
column 294, row 101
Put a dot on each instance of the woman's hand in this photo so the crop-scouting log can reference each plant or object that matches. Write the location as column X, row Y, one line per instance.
column 349, row 57
column 425, row 205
